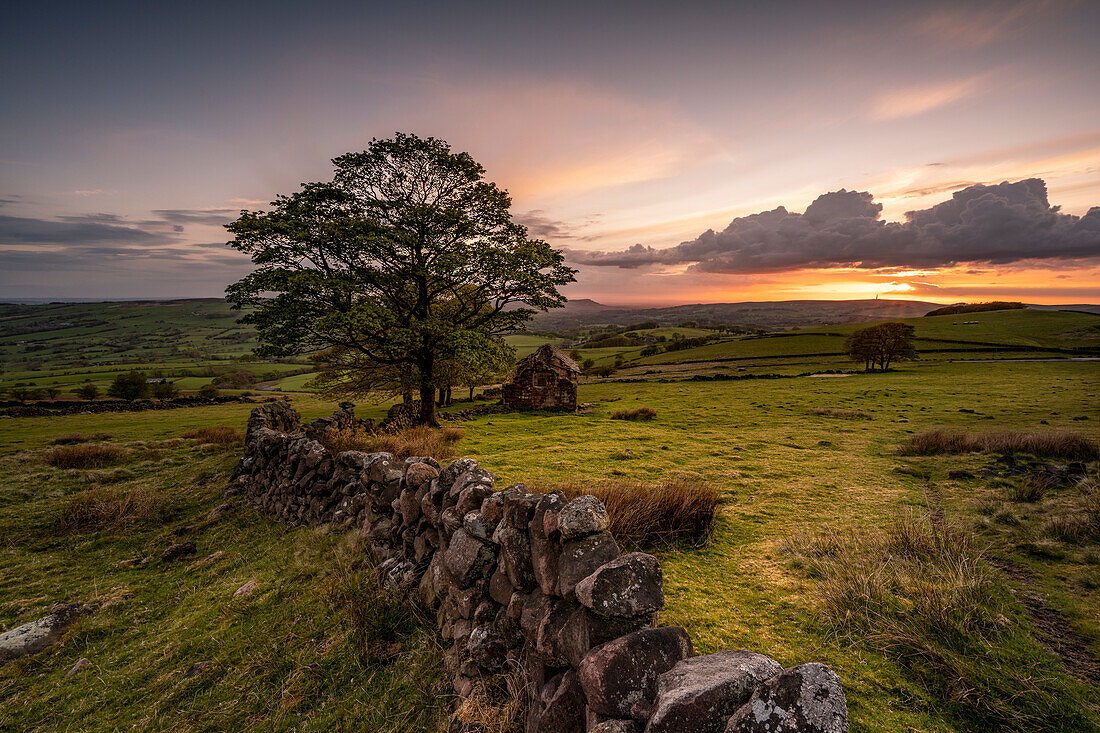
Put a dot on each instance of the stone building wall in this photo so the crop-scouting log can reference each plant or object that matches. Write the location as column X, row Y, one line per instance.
column 531, row 593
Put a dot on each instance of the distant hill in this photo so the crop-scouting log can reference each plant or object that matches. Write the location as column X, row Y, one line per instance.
column 767, row 315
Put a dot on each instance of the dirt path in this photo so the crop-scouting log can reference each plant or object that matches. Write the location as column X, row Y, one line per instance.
column 1053, row 629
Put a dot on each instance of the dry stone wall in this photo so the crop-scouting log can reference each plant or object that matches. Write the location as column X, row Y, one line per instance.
column 530, row 592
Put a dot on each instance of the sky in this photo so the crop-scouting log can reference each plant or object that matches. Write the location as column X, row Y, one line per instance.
column 934, row 151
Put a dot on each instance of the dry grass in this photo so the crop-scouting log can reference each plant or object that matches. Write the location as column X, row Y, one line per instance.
column 634, row 413
column 1031, row 488
column 221, row 434
column 647, row 515
column 84, row 455
column 105, row 508
column 841, row 413
column 487, row 711
column 417, row 441
column 922, row 595
column 73, row 438
column 1055, row 444
column 1078, row 520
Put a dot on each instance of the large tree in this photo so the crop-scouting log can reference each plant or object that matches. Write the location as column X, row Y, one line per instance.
column 881, row 344
column 406, row 252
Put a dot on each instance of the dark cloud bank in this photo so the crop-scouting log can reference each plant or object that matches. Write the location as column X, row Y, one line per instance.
column 997, row 224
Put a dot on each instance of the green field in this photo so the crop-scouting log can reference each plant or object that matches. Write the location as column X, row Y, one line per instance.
column 782, row 470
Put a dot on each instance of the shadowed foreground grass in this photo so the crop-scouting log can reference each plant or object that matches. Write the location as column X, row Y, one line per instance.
column 313, row 647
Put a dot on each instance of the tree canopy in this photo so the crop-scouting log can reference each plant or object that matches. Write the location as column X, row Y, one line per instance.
column 881, row 344
column 391, row 267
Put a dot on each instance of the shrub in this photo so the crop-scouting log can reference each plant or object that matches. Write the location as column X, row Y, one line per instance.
column 841, row 413
column 634, row 413
column 417, row 441
column 86, row 455
column 647, row 515
column 1054, row 444
column 922, row 595
column 215, row 434
column 208, row 391
column 87, row 391
column 106, row 508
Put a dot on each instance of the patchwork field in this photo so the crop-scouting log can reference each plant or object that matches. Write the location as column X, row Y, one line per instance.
column 798, row 461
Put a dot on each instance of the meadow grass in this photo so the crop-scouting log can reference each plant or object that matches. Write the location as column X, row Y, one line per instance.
column 779, row 469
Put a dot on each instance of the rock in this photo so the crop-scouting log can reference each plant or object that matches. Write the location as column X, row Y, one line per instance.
column 584, row 515
column 178, row 551
column 564, row 711
column 195, row 669
column 701, row 693
column 804, row 699
column 619, row 678
column 544, row 560
column 486, row 648
column 246, row 589
column 210, row 559
column 467, row 558
column 419, row 474
column 959, row 475
column 584, row 631
column 37, row 635
column 630, row 585
column 581, row 557
column 81, row 664
column 475, row 524
column 616, row 726
column 515, row 555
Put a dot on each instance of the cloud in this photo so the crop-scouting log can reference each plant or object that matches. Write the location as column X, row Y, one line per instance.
column 76, row 230
column 995, row 224
column 916, row 100
column 541, row 226
column 976, row 25
column 197, row 216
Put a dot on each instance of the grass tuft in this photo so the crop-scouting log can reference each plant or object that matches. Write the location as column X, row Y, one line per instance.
column 923, row 595
column 418, row 441
column 1055, row 444
column 841, row 413
column 84, row 455
column 73, row 438
column 221, row 434
column 649, row 515
column 106, row 508
column 642, row 413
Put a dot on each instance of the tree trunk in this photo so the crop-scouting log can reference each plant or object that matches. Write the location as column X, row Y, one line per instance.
column 472, row 394
column 427, row 393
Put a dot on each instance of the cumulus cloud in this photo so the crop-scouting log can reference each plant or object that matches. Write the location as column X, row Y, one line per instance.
column 995, row 224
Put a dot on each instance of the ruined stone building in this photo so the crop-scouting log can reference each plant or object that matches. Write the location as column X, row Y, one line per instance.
column 546, row 378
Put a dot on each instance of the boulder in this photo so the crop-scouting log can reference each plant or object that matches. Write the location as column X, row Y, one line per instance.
column 178, row 551
column 486, row 648
column 37, row 635
column 580, row 557
column 630, row 585
column 619, row 678
column 419, row 474
column 804, row 699
column 582, row 516
column 515, row 555
column 701, row 693
column 616, row 726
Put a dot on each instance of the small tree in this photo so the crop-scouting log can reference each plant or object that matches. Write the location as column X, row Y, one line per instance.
column 87, row 391
column 130, row 386
column 407, row 250
column 52, row 391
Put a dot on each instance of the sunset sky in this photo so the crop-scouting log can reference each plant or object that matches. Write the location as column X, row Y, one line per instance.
column 640, row 137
